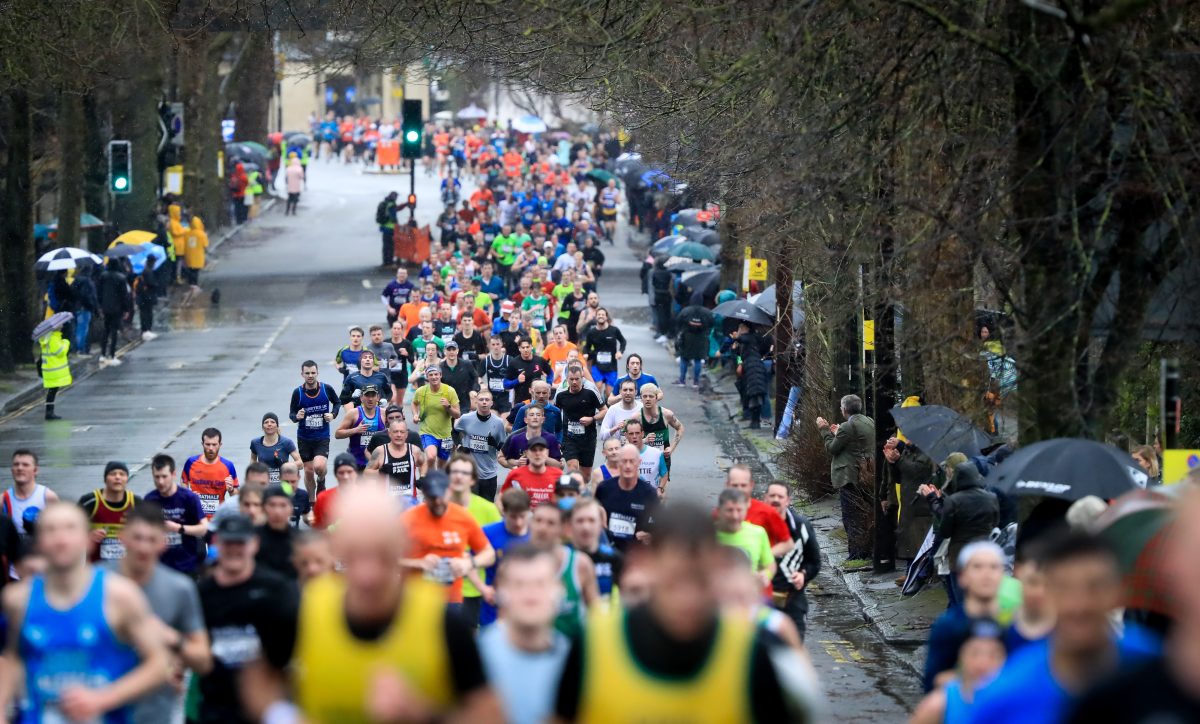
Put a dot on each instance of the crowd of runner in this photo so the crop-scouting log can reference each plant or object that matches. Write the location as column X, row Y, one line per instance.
column 471, row 519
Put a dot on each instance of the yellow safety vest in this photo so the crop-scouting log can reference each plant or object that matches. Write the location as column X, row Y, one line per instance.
column 617, row 688
column 56, row 370
column 334, row 670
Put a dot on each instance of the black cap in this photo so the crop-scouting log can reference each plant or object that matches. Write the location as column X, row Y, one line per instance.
column 435, row 484
column 344, row 459
column 535, row 441
column 275, row 491
column 393, row 408
column 567, row 484
column 370, row 389
column 236, row 527
column 271, row 416
column 452, row 345
column 115, row 465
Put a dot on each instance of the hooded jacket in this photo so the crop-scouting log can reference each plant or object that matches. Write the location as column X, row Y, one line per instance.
column 969, row 514
column 176, row 228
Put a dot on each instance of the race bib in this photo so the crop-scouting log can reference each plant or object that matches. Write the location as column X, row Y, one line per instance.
column 448, row 444
column 441, row 573
column 209, row 503
column 174, row 539
column 112, row 549
column 575, row 428
column 495, row 384
column 604, row 357
column 621, row 526
column 479, row 444
column 314, row 422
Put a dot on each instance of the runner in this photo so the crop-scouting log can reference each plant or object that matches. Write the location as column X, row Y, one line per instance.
column 633, row 371
column 484, row 434
column 397, row 360
column 536, row 477
column 106, row 509
column 788, row 591
column 182, row 515
column 460, row 375
column 658, row 422
column 26, row 498
column 610, row 469
column 312, row 407
column 557, row 350
column 607, row 201
column 575, row 570
column 462, row 482
column 539, row 393
column 653, row 466
column 472, row 344
column 446, row 542
column 366, row 376
column 250, row 614
column 390, row 415
column 603, row 346
column 629, row 502
column 396, row 294
column 580, row 409
column 734, row 531
column 759, row 513
column 70, row 675
column 209, row 475
column 367, row 420
column 585, row 524
column 627, row 407
column 402, row 463
column 276, row 534
column 273, row 449
column 323, row 513
column 173, row 599
column 346, row 359
column 494, row 375
column 513, row 454
column 435, row 407
column 311, row 555
column 523, row 654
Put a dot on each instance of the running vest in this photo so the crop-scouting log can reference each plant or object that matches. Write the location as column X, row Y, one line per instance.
column 571, row 609
column 314, row 426
column 719, row 692
column 110, row 520
column 657, row 433
column 494, row 374
column 17, row 508
column 603, row 560
column 401, row 472
column 374, row 425
column 75, row 647
column 608, row 199
column 334, row 670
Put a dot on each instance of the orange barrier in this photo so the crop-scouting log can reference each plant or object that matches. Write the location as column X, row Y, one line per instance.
column 411, row 244
column 387, row 153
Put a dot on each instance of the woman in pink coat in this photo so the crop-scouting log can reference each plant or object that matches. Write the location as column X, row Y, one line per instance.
column 295, row 183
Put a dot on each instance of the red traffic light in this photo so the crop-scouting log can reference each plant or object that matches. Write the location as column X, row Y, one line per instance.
column 412, row 199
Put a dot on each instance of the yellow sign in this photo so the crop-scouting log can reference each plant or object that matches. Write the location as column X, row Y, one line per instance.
column 868, row 335
column 758, row 270
column 398, row 92
column 1178, row 463
column 173, row 180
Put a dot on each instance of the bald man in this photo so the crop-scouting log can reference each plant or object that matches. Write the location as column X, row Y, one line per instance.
column 399, row 656
column 67, row 675
column 629, row 500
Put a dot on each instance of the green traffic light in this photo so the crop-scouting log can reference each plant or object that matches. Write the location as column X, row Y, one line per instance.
column 120, row 183
column 412, row 136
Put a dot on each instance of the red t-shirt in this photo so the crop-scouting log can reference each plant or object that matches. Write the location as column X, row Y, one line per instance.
column 539, row 486
column 323, row 508
column 769, row 519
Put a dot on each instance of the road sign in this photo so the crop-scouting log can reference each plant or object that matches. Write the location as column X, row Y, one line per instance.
column 758, row 270
column 1178, row 463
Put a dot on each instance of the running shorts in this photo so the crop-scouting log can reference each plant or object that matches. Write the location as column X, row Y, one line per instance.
column 310, row 449
column 444, row 447
column 582, row 449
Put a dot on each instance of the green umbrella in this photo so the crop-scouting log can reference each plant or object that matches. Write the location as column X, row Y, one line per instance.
column 694, row 251
column 256, row 146
column 86, row 221
column 1132, row 520
column 600, row 176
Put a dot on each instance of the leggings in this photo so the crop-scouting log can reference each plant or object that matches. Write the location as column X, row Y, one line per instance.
column 112, row 330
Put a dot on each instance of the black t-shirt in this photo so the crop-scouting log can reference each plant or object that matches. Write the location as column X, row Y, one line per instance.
column 275, row 550
column 11, row 547
column 663, row 656
column 510, row 338
column 629, row 511
column 1146, row 694
column 601, row 347
column 577, row 405
column 463, row 379
column 254, row 619
column 446, row 329
column 401, row 375
column 471, row 348
column 534, row 368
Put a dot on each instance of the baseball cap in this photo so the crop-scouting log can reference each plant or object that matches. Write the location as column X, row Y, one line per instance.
column 236, row 527
column 344, row 459
column 535, row 441
column 567, row 484
column 370, row 389
column 452, row 345
column 435, row 484
column 393, row 408
column 507, row 307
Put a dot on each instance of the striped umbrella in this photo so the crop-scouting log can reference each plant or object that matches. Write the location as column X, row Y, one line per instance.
column 68, row 257
column 46, row 326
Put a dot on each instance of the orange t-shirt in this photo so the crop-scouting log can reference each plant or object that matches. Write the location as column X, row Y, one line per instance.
column 449, row 536
column 557, row 357
column 410, row 312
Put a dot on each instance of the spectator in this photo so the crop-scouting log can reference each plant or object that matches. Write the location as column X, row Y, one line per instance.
column 87, row 304
column 906, row 470
column 968, row 514
column 115, row 303
column 851, row 447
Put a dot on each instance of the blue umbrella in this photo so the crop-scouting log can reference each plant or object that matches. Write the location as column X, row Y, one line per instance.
column 150, row 249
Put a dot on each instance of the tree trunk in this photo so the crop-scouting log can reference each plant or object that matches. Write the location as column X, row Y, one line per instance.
column 253, row 88
column 203, row 190
column 71, row 131
column 18, row 293
column 135, row 118
column 95, row 169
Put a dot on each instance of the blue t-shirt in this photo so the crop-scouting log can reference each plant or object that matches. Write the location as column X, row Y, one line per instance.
column 493, row 286
column 501, row 541
column 398, row 293
column 643, row 379
column 185, row 508
column 553, row 424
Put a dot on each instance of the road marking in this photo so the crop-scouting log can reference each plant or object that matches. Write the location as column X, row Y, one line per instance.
column 221, row 398
column 366, row 283
column 834, row 649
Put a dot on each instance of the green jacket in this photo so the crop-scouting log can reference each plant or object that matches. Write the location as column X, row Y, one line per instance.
column 854, row 443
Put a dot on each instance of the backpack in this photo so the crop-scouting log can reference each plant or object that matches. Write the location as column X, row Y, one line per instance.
column 381, row 214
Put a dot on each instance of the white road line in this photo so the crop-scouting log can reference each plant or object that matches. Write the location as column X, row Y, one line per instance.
column 221, row 398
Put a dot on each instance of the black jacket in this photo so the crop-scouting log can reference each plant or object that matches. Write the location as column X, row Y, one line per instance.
column 967, row 515
column 113, row 291
column 803, row 534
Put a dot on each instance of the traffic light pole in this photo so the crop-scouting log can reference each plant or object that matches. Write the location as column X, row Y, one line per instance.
column 412, row 192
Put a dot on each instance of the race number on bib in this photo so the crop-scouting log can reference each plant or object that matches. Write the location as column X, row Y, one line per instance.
column 112, row 549
column 479, row 444
column 314, row 422
column 495, row 384
column 621, row 525
column 574, row 428
column 604, row 357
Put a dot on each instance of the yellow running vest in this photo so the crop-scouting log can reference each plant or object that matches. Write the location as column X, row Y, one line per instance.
column 616, row 688
column 334, row 669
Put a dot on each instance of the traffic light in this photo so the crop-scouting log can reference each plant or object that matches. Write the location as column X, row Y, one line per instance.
column 120, row 167
column 412, row 129
column 412, row 201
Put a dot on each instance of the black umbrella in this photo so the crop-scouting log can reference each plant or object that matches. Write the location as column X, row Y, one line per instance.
column 1069, row 469
column 744, row 311
column 770, row 304
column 939, row 431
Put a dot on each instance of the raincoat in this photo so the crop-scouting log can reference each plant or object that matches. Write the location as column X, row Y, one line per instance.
column 56, row 370
column 176, row 229
column 295, row 176
column 197, row 244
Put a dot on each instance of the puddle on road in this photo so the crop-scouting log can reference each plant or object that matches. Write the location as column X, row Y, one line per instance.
column 203, row 314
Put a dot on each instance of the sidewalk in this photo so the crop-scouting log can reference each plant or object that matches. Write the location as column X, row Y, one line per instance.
column 903, row 622
column 23, row 390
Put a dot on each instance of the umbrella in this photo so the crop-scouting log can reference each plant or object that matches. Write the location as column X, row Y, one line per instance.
column 1132, row 520
column 744, row 311
column 688, row 217
column 921, row 569
column 591, row 128
column 443, row 116
column 694, row 251
column 244, row 152
column 770, row 304
column 86, row 221
column 708, row 237
column 663, row 245
column 1069, row 469
column 600, row 176
column 655, row 179
column 56, row 321
column 256, row 146
column 472, row 112
column 68, row 257
column 298, row 139
column 120, row 249
column 939, row 431
column 529, row 124
column 138, row 261
column 675, row 262
column 135, row 236
column 690, row 268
